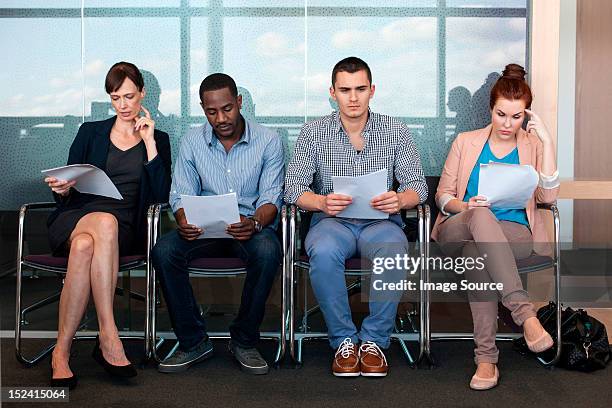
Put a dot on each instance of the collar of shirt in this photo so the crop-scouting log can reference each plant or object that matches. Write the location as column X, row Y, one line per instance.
column 337, row 124
column 212, row 140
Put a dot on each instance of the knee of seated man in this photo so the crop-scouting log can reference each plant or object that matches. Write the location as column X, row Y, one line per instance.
column 267, row 247
column 164, row 249
column 325, row 246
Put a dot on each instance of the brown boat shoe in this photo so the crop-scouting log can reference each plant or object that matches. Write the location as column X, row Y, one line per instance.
column 346, row 360
column 373, row 360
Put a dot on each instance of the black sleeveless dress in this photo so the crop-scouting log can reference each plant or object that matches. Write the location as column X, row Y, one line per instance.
column 124, row 168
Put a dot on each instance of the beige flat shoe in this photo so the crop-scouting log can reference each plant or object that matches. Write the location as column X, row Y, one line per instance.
column 480, row 384
column 542, row 343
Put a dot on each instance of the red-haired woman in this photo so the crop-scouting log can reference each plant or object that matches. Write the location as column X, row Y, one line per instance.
column 93, row 231
column 468, row 226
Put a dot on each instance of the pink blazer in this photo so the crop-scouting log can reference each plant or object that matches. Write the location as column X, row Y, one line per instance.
column 462, row 158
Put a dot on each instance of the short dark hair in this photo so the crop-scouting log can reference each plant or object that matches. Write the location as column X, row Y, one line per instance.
column 117, row 74
column 351, row 65
column 217, row 81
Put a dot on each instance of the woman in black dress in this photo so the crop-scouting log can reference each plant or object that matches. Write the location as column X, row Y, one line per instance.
column 93, row 231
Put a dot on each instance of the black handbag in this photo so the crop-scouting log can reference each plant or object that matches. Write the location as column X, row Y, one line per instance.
column 584, row 340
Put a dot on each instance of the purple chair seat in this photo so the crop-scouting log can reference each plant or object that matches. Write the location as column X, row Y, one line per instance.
column 217, row 263
column 534, row 262
column 61, row 263
column 350, row 264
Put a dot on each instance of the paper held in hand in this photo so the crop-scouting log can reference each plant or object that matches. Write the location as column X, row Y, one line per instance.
column 507, row 186
column 89, row 179
column 362, row 189
column 211, row 213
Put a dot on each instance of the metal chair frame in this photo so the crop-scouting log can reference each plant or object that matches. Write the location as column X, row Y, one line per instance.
column 152, row 294
column 293, row 264
column 20, row 313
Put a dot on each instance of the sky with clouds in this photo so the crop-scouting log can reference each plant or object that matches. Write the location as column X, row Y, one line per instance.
column 285, row 62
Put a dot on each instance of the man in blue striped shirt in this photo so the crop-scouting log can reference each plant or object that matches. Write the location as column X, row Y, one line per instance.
column 229, row 154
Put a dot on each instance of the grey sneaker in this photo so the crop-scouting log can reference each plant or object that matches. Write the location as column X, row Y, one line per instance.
column 181, row 360
column 249, row 359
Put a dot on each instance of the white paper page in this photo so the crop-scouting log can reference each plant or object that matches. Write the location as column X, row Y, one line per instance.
column 362, row 189
column 507, row 186
column 89, row 179
column 212, row 213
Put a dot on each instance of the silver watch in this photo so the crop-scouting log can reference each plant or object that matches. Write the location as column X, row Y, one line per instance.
column 258, row 226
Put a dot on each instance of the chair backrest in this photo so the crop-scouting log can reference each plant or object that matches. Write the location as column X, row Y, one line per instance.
column 412, row 223
column 304, row 226
column 432, row 186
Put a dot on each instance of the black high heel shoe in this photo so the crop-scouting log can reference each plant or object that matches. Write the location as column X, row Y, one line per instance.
column 69, row 382
column 126, row 371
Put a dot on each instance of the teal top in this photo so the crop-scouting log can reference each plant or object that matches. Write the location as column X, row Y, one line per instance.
column 486, row 156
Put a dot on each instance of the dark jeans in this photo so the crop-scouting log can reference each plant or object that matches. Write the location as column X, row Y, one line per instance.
column 171, row 254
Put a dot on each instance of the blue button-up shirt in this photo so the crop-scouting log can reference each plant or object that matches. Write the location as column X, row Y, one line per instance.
column 254, row 168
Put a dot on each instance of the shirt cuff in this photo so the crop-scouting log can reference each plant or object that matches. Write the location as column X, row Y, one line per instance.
column 277, row 203
column 293, row 195
column 175, row 202
column 416, row 186
column 445, row 199
column 549, row 182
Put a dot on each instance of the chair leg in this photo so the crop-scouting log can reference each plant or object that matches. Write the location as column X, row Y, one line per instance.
column 20, row 319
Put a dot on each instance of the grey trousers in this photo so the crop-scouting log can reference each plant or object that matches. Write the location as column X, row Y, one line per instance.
column 478, row 233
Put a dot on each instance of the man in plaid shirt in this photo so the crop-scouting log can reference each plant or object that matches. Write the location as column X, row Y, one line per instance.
column 354, row 141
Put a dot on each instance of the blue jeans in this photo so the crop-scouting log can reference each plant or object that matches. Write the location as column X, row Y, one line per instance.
column 171, row 254
column 330, row 241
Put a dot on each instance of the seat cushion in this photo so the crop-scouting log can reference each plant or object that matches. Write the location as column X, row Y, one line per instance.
column 533, row 263
column 61, row 263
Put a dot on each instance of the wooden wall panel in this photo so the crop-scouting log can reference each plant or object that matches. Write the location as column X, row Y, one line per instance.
column 593, row 137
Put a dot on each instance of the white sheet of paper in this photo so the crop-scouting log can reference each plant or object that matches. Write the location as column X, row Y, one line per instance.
column 507, row 186
column 362, row 189
column 212, row 213
column 89, row 179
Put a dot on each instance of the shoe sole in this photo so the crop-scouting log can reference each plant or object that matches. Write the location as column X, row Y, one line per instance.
column 184, row 366
column 253, row 370
column 345, row 374
column 373, row 374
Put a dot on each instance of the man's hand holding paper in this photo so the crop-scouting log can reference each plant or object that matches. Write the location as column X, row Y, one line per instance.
column 212, row 215
column 366, row 193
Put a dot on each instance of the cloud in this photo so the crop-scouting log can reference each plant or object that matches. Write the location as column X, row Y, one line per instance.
column 95, row 68
column 273, row 44
column 318, row 82
column 397, row 34
column 170, row 101
column 199, row 56
column 500, row 57
column 351, row 38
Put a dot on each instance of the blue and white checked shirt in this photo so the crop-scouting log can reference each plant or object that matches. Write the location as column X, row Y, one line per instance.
column 254, row 168
column 323, row 150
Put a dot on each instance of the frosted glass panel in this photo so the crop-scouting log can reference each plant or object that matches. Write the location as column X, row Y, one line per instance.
column 487, row 3
column 400, row 52
column 40, row 103
column 266, row 56
column 431, row 70
column 477, row 51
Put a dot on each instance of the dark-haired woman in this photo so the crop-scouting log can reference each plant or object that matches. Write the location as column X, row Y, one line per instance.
column 93, row 231
column 468, row 226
